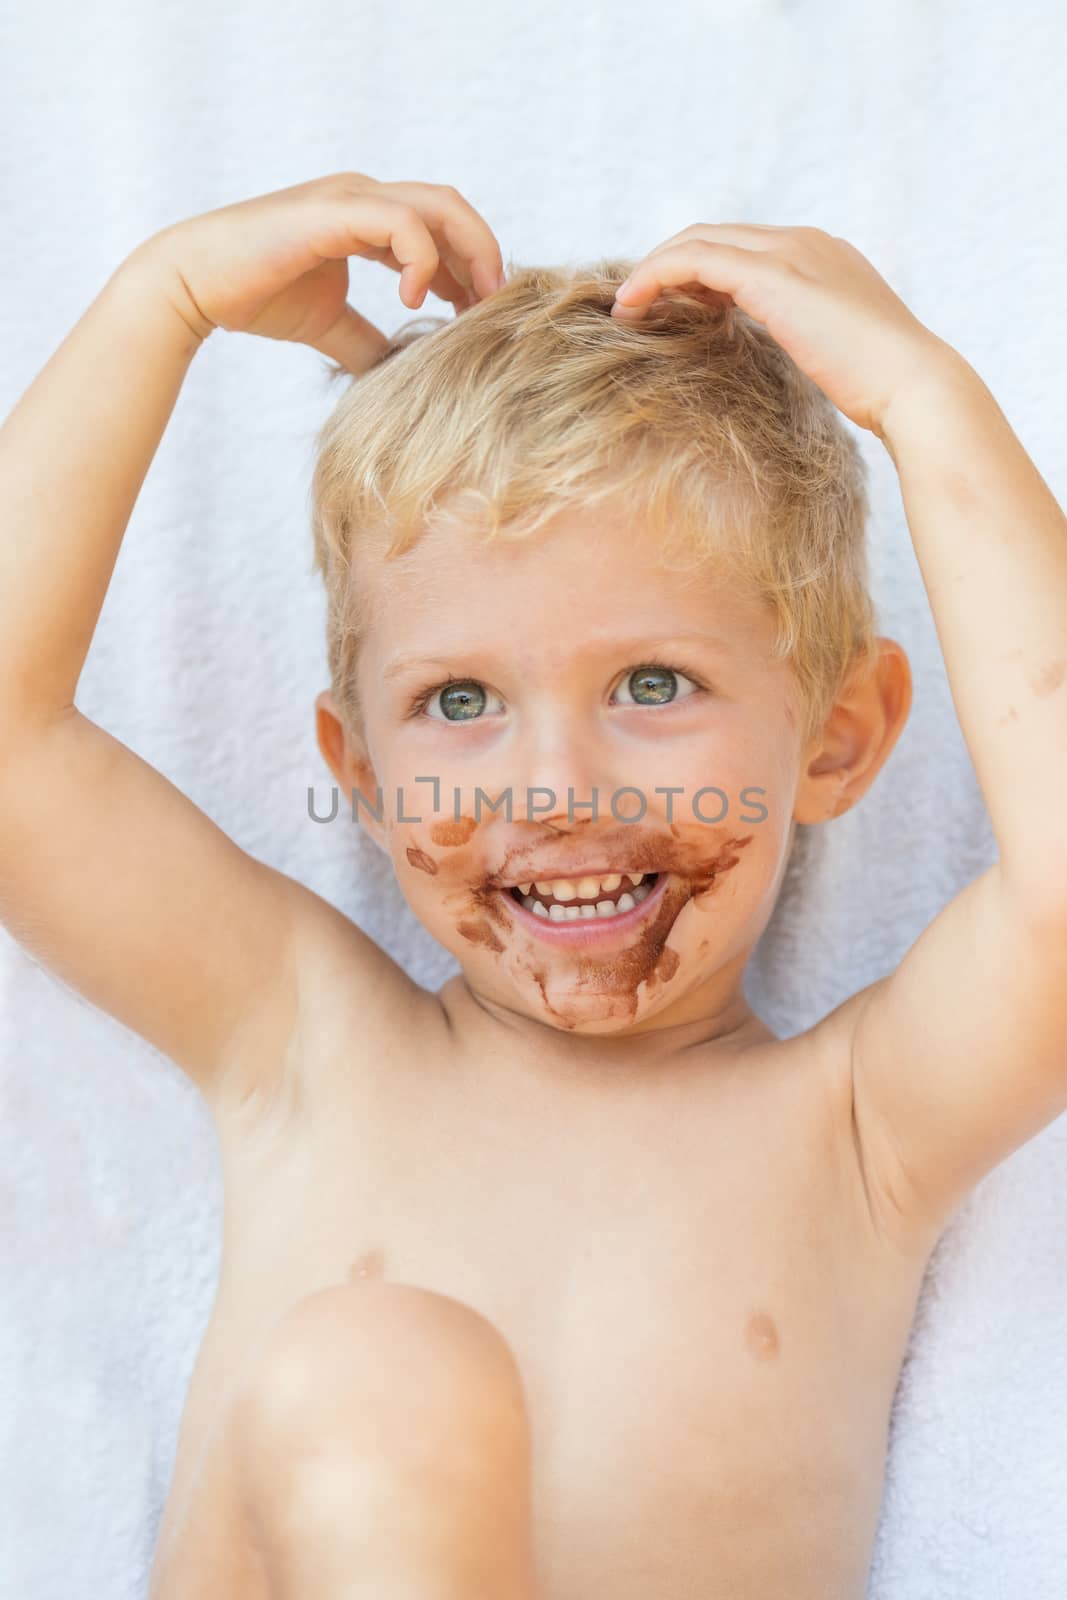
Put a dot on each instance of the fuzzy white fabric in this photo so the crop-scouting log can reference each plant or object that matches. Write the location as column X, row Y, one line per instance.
column 930, row 136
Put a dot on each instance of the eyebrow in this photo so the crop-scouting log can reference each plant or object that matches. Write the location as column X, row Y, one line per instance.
column 400, row 666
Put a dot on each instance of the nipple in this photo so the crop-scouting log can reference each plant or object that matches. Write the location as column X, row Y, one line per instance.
column 762, row 1337
column 370, row 1264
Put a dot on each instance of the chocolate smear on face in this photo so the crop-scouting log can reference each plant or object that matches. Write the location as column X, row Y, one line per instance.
column 538, row 975
column 452, row 833
column 420, row 859
column 665, row 968
column 480, row 933
column 692, row 869
column 692, row 865
column 486, row 903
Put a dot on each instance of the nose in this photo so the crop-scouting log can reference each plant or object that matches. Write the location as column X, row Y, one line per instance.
column 559, row 768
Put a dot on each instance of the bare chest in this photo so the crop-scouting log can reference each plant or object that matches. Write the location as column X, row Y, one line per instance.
column 708, row 1334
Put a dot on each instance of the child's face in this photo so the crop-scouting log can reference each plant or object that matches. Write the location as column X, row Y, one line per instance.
column 546, row 637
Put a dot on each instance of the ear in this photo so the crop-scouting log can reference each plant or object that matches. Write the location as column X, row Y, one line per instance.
column 843, row 760
column 348, row 759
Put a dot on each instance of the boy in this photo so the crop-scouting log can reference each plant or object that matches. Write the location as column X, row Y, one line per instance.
column 571, row 1279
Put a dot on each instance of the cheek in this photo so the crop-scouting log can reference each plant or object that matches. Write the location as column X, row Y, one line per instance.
column 745, row 789
column 436, row 876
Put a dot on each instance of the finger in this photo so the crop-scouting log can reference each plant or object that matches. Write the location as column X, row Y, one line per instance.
column 749, row 236
column 794, row 244
column 451, row 281
column 444, row 283
column 754, row 235
column 470, row 246
column 377, row 225
column 727, row 269
column 352, row 341
column 629, row 307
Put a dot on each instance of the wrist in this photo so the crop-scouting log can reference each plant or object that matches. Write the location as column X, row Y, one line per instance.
column 151, row 273
column 940, row 378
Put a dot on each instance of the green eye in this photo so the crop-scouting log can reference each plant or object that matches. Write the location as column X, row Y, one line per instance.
column 653, row 685
column 462, row 701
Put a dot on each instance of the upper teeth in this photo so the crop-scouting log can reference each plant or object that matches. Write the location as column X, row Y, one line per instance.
column 580, row 888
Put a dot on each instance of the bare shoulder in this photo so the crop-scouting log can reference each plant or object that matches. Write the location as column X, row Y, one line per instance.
column 341, row 999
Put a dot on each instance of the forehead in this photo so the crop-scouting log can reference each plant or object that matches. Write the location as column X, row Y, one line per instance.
column 591, row 575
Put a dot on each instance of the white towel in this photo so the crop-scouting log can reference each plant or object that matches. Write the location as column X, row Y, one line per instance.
column 932, row 136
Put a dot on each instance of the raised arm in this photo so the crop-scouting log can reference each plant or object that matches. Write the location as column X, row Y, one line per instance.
column 960, row 1054
column 108, row 874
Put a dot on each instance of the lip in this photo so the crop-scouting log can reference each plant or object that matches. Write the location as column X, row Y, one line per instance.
column 589, row 932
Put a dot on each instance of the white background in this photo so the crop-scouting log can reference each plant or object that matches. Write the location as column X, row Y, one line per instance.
column 932, row 136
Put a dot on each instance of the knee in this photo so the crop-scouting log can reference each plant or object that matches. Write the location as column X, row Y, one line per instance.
column 384, row 1370
column 382, row 1425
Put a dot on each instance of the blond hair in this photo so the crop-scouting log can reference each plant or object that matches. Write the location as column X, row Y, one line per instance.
column 537, row 400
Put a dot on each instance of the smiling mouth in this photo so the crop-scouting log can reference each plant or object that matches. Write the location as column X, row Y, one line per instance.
column 609, row 900
column 578, row 920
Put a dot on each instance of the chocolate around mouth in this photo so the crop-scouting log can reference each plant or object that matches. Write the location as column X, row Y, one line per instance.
column 614, row 970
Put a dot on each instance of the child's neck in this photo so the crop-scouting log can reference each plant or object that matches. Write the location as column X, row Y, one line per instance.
column 713, row 1017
